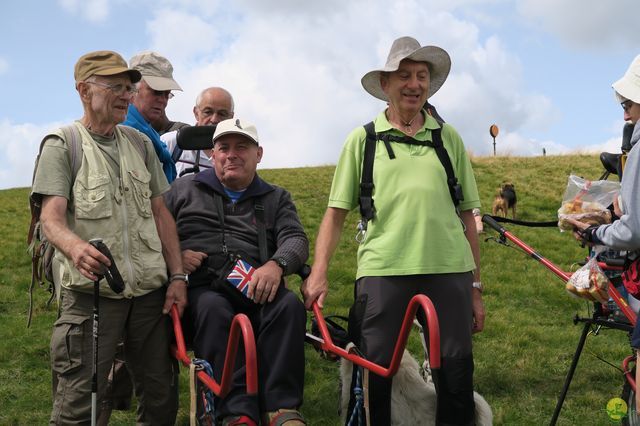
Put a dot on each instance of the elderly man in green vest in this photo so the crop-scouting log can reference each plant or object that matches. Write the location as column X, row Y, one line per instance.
column 114, row 194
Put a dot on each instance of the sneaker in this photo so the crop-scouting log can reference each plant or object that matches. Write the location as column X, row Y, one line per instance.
column 284, row 417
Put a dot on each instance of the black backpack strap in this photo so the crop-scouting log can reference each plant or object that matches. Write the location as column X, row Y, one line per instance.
column 452, row 181
column 367, row 210
column 258, row 209
column 176, row 153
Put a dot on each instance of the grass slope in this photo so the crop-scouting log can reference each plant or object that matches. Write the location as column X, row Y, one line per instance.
column 521, row 358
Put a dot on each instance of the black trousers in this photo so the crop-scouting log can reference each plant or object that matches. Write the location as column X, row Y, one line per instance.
column 279, row 329
column 379, row 308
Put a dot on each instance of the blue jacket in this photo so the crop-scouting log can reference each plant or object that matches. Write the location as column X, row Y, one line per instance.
column 137, row 121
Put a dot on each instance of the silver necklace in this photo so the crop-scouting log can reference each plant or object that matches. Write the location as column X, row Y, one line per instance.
column 407, row 124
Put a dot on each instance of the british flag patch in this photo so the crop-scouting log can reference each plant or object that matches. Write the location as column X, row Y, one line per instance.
column 241, row 275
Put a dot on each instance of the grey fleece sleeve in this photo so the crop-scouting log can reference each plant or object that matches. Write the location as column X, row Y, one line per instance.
column 624, row 234
column 291, row 240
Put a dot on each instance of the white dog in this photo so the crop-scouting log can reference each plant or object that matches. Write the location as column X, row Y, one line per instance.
column 413, row 398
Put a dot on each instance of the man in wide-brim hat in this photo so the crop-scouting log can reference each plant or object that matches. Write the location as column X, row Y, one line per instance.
column 413, row 240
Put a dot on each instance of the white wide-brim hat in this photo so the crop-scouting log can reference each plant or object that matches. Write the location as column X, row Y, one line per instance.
column 628, row 87
column 437, row 59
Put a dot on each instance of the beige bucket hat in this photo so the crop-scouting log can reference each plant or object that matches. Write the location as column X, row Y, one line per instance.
column 628, row 87
column 437, row 59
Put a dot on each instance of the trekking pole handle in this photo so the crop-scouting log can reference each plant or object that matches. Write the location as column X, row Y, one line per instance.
column 112, row 274
column 492, row 223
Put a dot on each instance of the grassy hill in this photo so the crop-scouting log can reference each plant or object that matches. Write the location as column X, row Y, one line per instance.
column 521, row 358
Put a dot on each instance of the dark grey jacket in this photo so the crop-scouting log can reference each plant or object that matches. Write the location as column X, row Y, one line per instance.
column 191, row 201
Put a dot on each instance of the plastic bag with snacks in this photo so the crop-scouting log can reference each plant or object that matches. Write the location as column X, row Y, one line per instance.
column 587, row 201
column 589, row 282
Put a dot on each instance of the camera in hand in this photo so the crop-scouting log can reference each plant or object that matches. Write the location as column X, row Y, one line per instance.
column 111, row 273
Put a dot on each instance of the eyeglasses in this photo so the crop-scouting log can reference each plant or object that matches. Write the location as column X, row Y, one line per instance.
column 116, row 89
column 222, row 113
column 626, row 105
column 162, row 93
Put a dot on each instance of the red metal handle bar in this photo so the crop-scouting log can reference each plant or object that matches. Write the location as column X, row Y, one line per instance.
column 418, row 301
column 613, row 291
column 240, row 325
column 607, row 267
column 628, row 371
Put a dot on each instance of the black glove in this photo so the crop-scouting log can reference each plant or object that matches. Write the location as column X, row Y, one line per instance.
column 589, row 235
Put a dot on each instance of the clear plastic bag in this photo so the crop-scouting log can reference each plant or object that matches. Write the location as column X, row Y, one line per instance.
column 589, row 282
column 587, row 201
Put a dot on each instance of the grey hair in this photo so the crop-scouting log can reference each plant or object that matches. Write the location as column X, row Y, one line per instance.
column 225, row 91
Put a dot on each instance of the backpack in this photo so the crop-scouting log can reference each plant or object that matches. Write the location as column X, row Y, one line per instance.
column 631, row 277
column 365, row 200
column 40, row 249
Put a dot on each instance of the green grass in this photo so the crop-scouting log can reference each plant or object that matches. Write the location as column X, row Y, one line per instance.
column 521, row 357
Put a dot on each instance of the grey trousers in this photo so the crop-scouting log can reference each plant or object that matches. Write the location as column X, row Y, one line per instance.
column 377, row 314
column 146, row 335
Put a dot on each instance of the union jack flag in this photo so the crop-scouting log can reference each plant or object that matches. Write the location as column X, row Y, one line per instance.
column 240, row 276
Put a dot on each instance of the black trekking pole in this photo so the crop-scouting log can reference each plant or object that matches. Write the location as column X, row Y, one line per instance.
column 114, row 279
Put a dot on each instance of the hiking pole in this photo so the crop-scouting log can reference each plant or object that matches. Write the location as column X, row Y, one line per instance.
column 114, row 279
column 564, row 276
column 94, row 376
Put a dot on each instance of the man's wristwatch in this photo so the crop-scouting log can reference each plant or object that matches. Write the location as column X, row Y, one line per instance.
column 179, row 277
column 282, row 263
column 478, row 285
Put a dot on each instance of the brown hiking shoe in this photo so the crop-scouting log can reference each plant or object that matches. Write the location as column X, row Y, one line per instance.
column 284, row 417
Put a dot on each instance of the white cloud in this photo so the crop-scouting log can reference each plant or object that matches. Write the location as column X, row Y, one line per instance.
column 295, row 70
column 297, row 75
column 19, row 151
column 184, row 35
column 508, row 143
column 91, row 10
column 4, row 65
column 583, row 24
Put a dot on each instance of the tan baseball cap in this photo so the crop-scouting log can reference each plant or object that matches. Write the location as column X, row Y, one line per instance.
column 156, row 70
column 236, row 126
column 103, row 62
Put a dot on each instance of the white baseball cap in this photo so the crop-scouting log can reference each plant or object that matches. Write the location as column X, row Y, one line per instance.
column 236, row 126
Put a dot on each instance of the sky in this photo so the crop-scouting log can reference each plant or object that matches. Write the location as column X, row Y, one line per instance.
column 541, row 70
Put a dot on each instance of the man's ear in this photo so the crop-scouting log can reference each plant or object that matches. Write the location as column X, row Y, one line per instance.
column 84, row 91
column 384, row 82
column 195, row 113
column 260, row 152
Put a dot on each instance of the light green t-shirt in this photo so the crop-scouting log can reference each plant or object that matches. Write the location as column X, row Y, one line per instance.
column 415, row 229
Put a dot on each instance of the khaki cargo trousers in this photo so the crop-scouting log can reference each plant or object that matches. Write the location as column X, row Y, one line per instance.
column 146, row 333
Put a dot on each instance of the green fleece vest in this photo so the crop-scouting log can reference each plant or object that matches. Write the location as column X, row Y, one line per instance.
column 116, row 209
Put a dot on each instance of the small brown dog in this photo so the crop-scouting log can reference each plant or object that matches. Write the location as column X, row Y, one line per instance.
column 505, row 199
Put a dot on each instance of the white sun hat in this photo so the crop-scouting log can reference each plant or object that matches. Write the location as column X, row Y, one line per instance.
column 628, row 87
